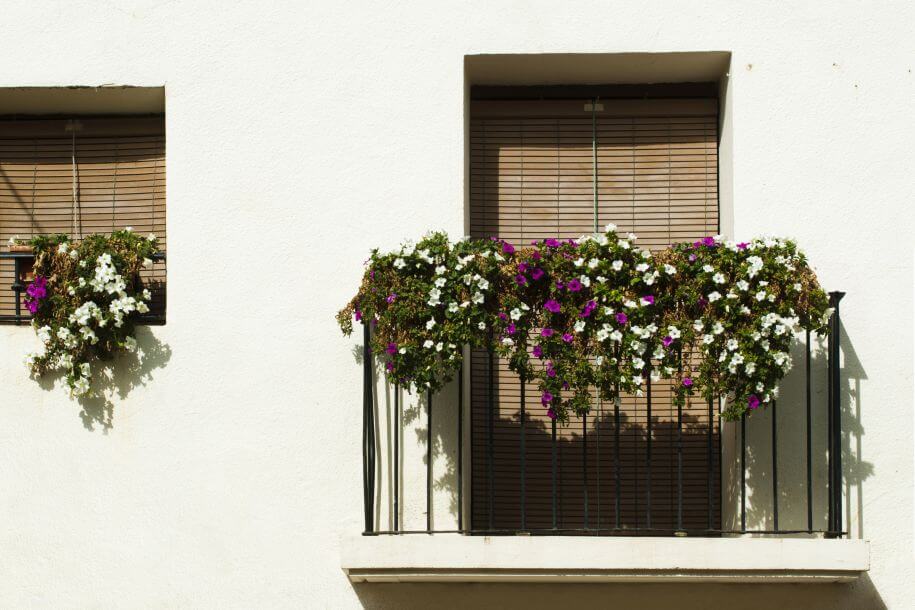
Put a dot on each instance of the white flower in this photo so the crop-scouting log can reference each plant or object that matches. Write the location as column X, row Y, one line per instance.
column 453, row 307
column 670, row 269
column 718, row 278
column 797, row 286
column 645, row 301
column 756, row 265
column 44, row 334
column 63, row 248
column 601, row 279
column 608, row 311
column 674, row 332
column 579, row 261
column 655, row 375
column 646, row 254
column 428, row 343
column 641, row 267
column 515, row 314
column 637, row 379
column 507, row 341
column 593, row 263
column 399, row 263
column 482, row 283
column 477, row 297
column 434, row 295
column 80, row 387
column 708, row 268
column 440, row 269
column 617, row 265
column 714, row 296
column 585, row 281
column 63, row 333
column 743, row 285
column 440, row 282
column 147, row 295
column 717, row 328
column 603, row 333
column 609, row 227
column 638, row 364
column 707, row 339
column 623, row 244
column 629, row 303
column 439, row 346
column 760, row 295
column 151, row 237
column 482, row 325
column 649, row 278
column 749, row 368
column 84, row 370
column 732, row 345
column 424, row 255
column 128, row 229
column 579, row 326
column 616, row 336
column 698, row 326
column 12, row 240
column 430, row 323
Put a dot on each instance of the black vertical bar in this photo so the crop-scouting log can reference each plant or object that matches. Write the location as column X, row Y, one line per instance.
column 616, row 459
column 523, row 461
column 489, row 440
column 679, row 466
column 584, row 462
column 396, row 457
column 809, row 449
column 368, row 433
column 743, row 473
column 710, row 463
column 460, row 450
column 429, row 461
column 17, row 287
column 774, row 466
column 836, row 409
column 648, row 454
column 553, row 436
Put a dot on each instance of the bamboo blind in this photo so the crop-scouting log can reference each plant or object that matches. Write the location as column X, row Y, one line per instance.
column 532, row 175
column 119, row 178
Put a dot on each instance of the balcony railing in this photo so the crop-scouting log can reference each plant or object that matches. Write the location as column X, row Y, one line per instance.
column 471, row 526
column 20, row 259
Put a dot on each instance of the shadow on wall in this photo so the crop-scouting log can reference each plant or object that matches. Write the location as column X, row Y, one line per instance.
column 117, row 377
column 859, row 595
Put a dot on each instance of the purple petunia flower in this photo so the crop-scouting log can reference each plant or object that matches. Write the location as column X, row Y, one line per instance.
column 565, row 385
column 503, row 316
column 708, row 241
column 567, row 337
column 667, row 341
column 552, row 306
column 687, row 382
column 560, row 284
column 574, row 285
column 692, row 258
column 507, row 248
column 31, row 305
column 648, row 299
column 391, row 297
column 535, row 255
column 389, row 366
column 590, row 306
column 622, row 318
column 697, row 244
column 551, row 243
column 742, row 245
column 537, row 273
column 522, row 267
column 358, row 315
column 546, row 332
column 511, row 328
column 391, row 348
column 550, row 371
column 551, row 413
column 520, row 280
column 753, row 401
column 546, row 398
column 537, row 351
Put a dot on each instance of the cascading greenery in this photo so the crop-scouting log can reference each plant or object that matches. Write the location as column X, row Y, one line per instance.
column 84, row 301
column 716, row 317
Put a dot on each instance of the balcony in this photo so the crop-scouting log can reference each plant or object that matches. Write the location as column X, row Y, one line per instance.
column 672, row 504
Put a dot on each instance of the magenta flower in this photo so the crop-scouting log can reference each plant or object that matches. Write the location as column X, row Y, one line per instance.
column 589, row 307
column 522, row 267
column 687, row 382
column 535, row 255
column 567, row 337
column 391, row 297
column 560, row 285
column 546, row 398
column 507, row 248
column 551, row 413
column 503, row 316
column 753, row 401
column 552, row 306
column 358, row 315
column 537, row 273
column 574, row 285
column 742, row 246
column 692, row 258
column 708, row 241
column 520, row 280
column 389, row 366
column 38, row 288
column 648, row 299
column 552, row 243
column 510, row 329
column 546, row 332
column 667, row 341
column 550, row 371
column 391, row 348
column 696, row 244
column 31, row 305
column 622, row 318
column 537, row 351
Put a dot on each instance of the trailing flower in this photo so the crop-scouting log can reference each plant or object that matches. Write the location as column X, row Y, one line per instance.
column 597, row 312
column 84, row 301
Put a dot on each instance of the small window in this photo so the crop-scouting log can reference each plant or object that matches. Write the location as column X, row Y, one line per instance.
column 79, row 176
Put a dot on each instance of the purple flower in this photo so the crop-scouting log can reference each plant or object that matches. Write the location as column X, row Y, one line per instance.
column 703, row 302
column 560, row 284
column 551, row 413
column 520, row 280
column 708, row 241
column 546, row 332
column 687, row 382
column 589, row 307
column 622, row 318
column 565, row 385
column 551, row 243
column 550, row 371
column 535, row 255
column 31, row 305
column 389, row 366
column 574, row 285
column 358, row 315
column 696, row 244
column 391, row 348
column 567, row 337
column 743, row 246
column 507, row 248
column 753, row 401
column 522, row 267
column 546, row 398
column 510, row 329
column 648, row 299
column 667, row 341
column 552, row 306
column 391, row 297
column 503, row 316
column 537, row 351
column 38, row 288
column 692, row 258
column 537, row 273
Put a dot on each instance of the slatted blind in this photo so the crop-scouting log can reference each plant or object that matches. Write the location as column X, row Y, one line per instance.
column 534, row 166
column 119, row 175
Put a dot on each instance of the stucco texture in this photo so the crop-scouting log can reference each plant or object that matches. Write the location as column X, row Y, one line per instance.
column 312, row 131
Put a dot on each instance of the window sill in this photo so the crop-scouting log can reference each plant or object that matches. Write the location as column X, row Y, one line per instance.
column 455, row 558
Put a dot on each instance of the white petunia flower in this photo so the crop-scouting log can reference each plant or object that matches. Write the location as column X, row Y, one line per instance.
column 579, row 261
column 440, row 282
column 428, row 343
column 707, row 339
column 593, row 263
column 698, row 326
column 477, row 297
column 515, row 314
column 482, row 325
column 732, row 345
column 708, row 268
column 718, row 278
column 674, row 332
column 579, row 326
column 670, row 269
column 440, row 270
column 453, row 307
column 609, row 227
column 617, row 265
column 641, row 267
column 430, row 323
column 714, row 296
column 717, row 328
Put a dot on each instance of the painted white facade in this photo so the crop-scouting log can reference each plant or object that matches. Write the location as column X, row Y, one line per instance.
column 299, row 135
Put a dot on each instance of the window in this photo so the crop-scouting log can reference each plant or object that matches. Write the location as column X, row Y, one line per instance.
column 79, row 176
column 562, row 167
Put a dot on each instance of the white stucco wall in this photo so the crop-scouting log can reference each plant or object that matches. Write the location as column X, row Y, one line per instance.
column 314, row 131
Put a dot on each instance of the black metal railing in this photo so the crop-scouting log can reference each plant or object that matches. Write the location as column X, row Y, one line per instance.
column 833, row 529
column 18, row 287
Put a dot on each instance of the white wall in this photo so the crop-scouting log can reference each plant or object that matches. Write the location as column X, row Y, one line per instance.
column 313, row 131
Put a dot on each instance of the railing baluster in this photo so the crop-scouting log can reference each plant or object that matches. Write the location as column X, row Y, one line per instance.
column 489, row 439
column 553, row 459
column 809, row 448
column 523, row 460
column 17, row 288
column 368, row 433
column 709, row 463
column 679, row 467
column 396, row 457
column 648, row 452
column 460, row 450
column 835, row 406
column 429, row 461
column 584, row 462
column 616, row 458
column 774, row 466
column 743, row 473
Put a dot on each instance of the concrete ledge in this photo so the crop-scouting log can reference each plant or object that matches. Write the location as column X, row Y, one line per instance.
column 456, row 558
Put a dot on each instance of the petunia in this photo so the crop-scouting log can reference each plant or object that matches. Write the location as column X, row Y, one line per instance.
column 535, row 255
column 520, row 280
column 537, row 351
column 708, row 241
column 687, row 382
column 743, row 246
column 648, row 300
column 546, row 398
column 667, row 341
column 552, row 306
column 753, row 401
column 546, row 332
column 622, row 318
column 551, row 413
column 537, row 273
column 510, row 329
column 389, row 366
column 522, row 267
column 568, row 337
column 391, row 348
column 692, row 258
column 552, row 243
column 507, row 248
column 391, row 297
column 574, row 285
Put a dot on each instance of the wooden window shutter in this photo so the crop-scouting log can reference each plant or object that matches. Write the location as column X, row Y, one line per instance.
column 119, row 179
column 534, row 166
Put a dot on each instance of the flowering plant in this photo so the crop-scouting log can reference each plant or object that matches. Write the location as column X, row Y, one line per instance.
column 84, row 300
column 598, row 312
